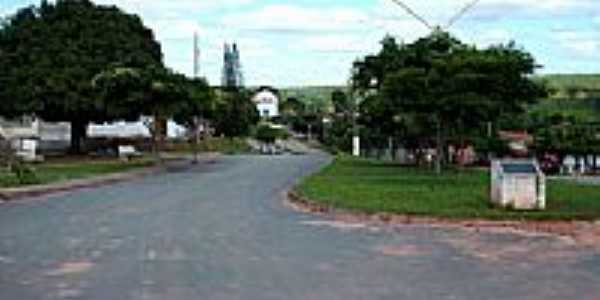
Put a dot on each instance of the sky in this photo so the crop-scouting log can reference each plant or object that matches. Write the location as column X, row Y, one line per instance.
column 314, row 42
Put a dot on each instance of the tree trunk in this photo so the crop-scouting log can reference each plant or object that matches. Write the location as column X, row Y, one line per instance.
column 439, row 149
column 391, row 148
column 78, row 135
column 156, row 138
column 196, row 140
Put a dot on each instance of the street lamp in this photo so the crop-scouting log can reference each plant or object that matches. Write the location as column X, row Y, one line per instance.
column 356, row 130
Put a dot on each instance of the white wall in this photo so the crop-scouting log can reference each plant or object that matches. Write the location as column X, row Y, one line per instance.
column 267, row 104
column 124, row 129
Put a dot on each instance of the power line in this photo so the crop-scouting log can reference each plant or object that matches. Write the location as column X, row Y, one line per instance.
column 411, row 12
column 461, row 13
column 450, row 23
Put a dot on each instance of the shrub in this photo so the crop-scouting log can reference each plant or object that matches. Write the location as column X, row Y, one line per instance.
column 268, row 134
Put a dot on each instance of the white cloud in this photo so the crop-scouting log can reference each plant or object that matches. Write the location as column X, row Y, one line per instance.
column 440, row 12
column 579, row 43
column 294, row 43
column 485, row 37
column 174, row 8
column 336, row 43
column 286, row 18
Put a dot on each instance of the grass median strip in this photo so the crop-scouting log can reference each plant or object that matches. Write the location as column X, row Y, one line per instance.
column 55, row 173
column 377, row 187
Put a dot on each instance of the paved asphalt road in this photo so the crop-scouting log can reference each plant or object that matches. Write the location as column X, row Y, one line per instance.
column 220, row 231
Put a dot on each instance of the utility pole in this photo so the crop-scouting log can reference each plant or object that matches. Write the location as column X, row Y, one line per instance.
column 196, row 56
column 355, row 129
column 197, row 119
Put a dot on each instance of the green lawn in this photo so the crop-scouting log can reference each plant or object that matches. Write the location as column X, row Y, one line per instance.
column 54, row 172
column 372, row 187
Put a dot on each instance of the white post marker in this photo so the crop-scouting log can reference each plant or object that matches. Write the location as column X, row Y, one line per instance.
column 356, row 146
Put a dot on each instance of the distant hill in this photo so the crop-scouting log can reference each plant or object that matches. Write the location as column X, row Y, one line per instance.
column 317, row 96
column 581, row 84
column 576, row 95
column 559, row 82
column 584, row 87
column 309, row 92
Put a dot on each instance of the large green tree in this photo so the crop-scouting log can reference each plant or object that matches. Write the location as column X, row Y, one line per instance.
column 235, row 113
column 445, row 87
column 198, row 110
column 49, row 55
column 155, row 92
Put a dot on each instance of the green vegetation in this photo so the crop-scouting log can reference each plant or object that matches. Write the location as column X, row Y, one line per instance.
column 235, row 113
column 373, row 187
column 562, row 83
column 583, row 110
column 64, row 45
column 318, row 96
column 268, row 134
column 54, row 172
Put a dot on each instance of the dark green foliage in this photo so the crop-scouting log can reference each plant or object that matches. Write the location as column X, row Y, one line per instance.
column 567, row 137
column 24, row 173
column 21, row 172
column 201, row 103
column 235, row 114
column 338, row 134
column 49, row 55
column 269, row 134
column 153, row 91
column 439, row 89
column 342, row 104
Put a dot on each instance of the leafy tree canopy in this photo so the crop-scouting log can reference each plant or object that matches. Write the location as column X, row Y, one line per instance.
column 235, row 113
column 440, row 82
column 49, row 55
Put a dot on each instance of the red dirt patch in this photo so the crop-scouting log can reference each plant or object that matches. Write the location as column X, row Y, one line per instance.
column 525, row 250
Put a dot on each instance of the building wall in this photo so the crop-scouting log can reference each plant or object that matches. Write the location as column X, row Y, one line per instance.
column 124, row 129
column 267, row 104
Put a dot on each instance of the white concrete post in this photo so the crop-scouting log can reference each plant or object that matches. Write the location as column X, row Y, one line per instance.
column 356, row 146
column 541, row 192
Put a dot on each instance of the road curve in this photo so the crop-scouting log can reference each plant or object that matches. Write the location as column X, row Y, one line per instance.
column 220, row 231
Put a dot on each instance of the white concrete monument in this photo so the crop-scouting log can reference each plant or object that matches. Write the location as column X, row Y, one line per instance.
column 518, row 184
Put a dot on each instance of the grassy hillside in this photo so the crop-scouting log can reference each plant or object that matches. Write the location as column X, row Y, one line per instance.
column 319, row 96
column 583, row 104
column 310, row 92
column 559, row 82
column 576, row 95
column 562, row 82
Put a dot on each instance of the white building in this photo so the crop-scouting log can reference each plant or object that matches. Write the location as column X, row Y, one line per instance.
column 29, row 135
column 139, row 129
column 267, row 102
